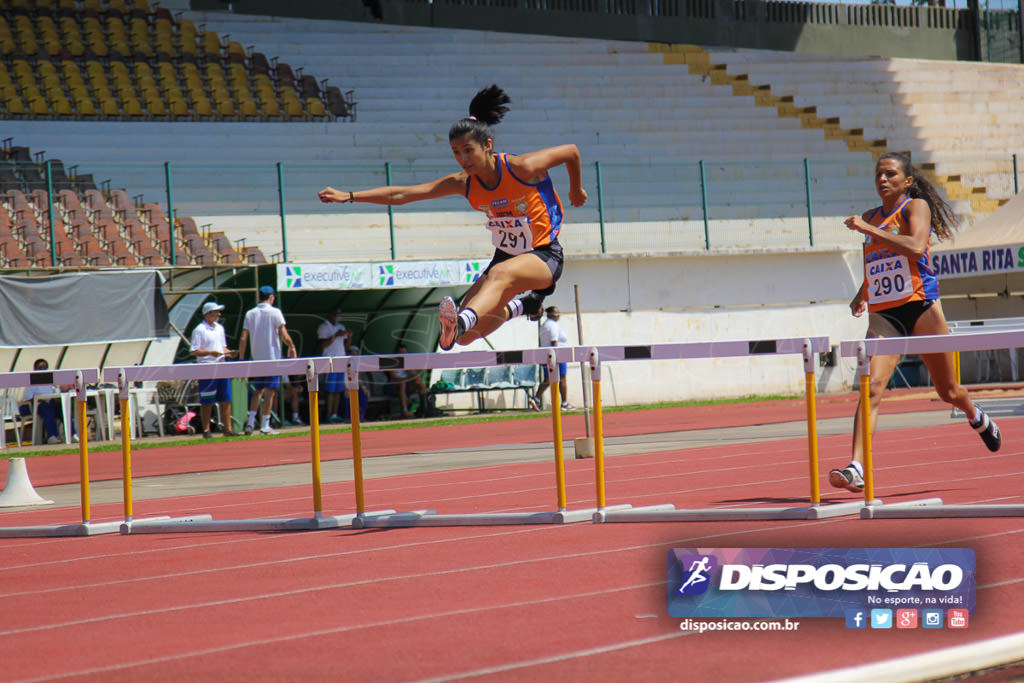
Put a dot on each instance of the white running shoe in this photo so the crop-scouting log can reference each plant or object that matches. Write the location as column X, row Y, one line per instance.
column 848, row 478
column 268, row 430
column 448, row 314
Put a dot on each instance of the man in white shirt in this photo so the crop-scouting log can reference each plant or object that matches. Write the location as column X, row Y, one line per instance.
column 552, row 334
column 334, row 339
column 264, row 330
column 209, row 345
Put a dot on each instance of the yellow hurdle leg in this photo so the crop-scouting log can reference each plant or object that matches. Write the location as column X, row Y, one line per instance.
column 865, row 428
column 126, row 458
column 83, row 460
column 556, row 419
column 598, row 430
column 314, row 431
column 357, row 449
column 812, row 438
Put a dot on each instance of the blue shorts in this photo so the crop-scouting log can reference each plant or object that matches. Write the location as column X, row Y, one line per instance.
column 214, row 391
column 334, row 382
column 266, row 382
column 563, row 368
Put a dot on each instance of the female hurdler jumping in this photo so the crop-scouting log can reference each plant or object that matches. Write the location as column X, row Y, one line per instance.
column 524, row 215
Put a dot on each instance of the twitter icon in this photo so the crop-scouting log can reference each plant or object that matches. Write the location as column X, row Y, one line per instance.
column 881, row 618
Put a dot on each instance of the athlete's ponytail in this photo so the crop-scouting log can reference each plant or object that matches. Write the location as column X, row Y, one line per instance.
column 485, row 110
column 944, row 221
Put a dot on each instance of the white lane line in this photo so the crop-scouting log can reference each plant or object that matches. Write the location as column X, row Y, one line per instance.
column 565, row 656
column 340, row 629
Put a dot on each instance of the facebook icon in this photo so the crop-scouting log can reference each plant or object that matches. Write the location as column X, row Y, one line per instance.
column 856, row 618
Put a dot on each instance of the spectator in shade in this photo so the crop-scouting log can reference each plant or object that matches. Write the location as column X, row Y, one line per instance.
column 265, row 331
column 209, row 345
column 47, row 410
column 334, row 339
column 406, row 382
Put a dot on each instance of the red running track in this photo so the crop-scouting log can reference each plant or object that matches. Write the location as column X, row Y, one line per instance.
column 558, row 602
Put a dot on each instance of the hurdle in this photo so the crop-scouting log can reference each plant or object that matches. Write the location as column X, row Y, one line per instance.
column 80, row 378
column 863, row 350
column 992, row 406
column 466, row 359
column 807, row 348
column 311, row 367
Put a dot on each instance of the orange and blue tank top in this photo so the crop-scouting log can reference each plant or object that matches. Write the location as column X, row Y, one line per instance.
column 891, row 278
column 520, row 215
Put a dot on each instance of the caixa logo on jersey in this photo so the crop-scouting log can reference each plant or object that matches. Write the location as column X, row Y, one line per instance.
column 816, row 582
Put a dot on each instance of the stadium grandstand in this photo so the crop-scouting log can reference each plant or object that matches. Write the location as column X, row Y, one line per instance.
column 192, row 138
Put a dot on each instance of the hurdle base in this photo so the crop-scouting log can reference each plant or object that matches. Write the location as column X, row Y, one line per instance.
column 601, row 514
column 203, row 523
column 81, row 529
column 669, row 513
column 934, row 508
column 431, row 518
column 891, row 510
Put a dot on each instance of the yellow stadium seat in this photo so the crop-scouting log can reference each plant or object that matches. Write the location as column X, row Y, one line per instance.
column 211, row 44
column 156, row 106
column 7, row 45
column 141, row 6
column 108, row 106
column 293, row 109
column 142, row 70
column 246, row 107
column 38, row 107
column 270, row 107
column 202, row 107
column 225, row 107
column 84, row 106
column 117, row 6
column 61, row 107
column 131, row 107
column 177, row 106
column 315, row 107
column 15, row 106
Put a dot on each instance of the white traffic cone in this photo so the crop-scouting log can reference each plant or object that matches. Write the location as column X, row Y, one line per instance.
column 18, row 490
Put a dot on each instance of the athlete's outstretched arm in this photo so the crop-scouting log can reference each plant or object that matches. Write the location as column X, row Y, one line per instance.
column 534, row 165
column 394, row 195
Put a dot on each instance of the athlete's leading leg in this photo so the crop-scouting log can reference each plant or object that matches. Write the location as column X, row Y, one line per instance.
column 505, row 280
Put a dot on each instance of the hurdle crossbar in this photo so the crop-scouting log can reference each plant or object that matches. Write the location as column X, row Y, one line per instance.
column 992, row 406
column 863, row 350
column 311, row 367
column 80, row 377
column 550, row 357
column 806, row 347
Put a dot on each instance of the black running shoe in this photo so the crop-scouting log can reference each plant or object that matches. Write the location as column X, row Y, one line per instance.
column 532, row 303
column 988, row 431
column 448, row 314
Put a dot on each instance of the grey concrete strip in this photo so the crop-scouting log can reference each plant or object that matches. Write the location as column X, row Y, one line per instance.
column 196, row 483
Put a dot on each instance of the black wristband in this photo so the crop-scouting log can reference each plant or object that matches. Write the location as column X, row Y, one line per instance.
column 351, row 197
